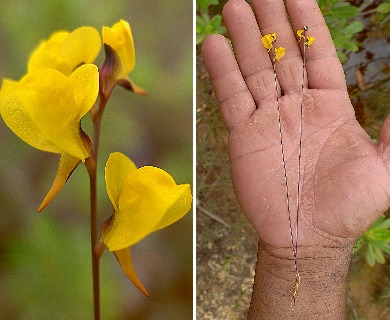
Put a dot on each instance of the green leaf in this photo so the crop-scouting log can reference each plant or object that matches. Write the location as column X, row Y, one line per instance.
column 380, row 234
column 200, row 38
column 354, row 27
column 321, row 3
column 202, row 22
column 378, row 222
column 383, row 8
column 216, row 21
column 370, row 256
column 342, row 57
column 205, row 26
column 351, row 46
column 379, row 255
column 385, row 223
column 344, row 12
column 383, row 246
column 204, row 4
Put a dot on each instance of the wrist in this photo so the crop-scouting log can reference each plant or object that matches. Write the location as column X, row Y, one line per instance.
column 321, row 293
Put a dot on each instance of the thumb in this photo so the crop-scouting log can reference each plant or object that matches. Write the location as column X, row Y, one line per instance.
column 383, row 144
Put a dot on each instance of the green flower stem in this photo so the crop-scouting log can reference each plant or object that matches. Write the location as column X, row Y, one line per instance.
column 91, row 164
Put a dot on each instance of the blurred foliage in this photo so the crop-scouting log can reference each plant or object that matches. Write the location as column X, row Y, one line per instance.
column 338, row 15
column 376, row 241
column 45, row 267
column 381, row 18
column 205, row 24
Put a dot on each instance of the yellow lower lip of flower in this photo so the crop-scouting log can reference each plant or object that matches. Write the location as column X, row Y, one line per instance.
column 145, row 200
column 279, row 53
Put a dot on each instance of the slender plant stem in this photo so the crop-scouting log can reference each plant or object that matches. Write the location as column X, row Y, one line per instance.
column 97, row 120
column 284, row 164
column 91, row 167
column 91, row 164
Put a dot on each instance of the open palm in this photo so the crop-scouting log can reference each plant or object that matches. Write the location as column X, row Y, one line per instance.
column 344, row 175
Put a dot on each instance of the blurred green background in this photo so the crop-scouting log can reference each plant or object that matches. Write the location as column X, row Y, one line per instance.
column 45, row 268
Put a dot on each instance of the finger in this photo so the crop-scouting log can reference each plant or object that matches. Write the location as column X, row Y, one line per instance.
column 272, row 18
column 324, row 69
column 384, row 141
column 236, row 102
column 252, row 57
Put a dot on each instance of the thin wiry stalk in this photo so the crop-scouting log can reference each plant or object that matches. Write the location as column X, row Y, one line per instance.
column 284, row 165
column 300, row 140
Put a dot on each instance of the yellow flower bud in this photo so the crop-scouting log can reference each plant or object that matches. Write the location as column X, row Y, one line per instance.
column 120, row 58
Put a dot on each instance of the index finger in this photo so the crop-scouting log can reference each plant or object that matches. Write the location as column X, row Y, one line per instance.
column 324, row 70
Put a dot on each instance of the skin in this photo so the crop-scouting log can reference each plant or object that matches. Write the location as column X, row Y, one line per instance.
column 345, row 176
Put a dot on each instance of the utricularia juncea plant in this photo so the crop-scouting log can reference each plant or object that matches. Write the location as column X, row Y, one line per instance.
column 45, row 108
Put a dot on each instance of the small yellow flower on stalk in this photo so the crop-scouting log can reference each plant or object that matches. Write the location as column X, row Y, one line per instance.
column 279, row 53
column 144, row 200
column 309, row 41
column 66, row 51
column 45, row 109
column 120, row 58
column 268, row 41
column 301, row 35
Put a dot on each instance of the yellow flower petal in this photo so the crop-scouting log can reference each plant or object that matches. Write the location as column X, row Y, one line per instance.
column 85, row 80
column 300, row 34
column 19, row 121
column 47, row 96
column 309, row 41
column 47, row 55
column 45, row 108
column 150, row 200
column 120, row 39
column 117, row 168
column 82, row 46
column 65, row 168
column 279, row 53
column 126, row 262
column 66, row 51
column 268, row 41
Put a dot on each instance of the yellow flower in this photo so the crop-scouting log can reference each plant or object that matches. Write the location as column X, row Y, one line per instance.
column 300, row 34
column 268, row 41
column 66, row 51
column 144, row 200
column 45, row 108
column 279, row 53
column 309, row 41
column 120, row 57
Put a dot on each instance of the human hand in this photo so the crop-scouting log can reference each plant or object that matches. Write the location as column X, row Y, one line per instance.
column 345, row 176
